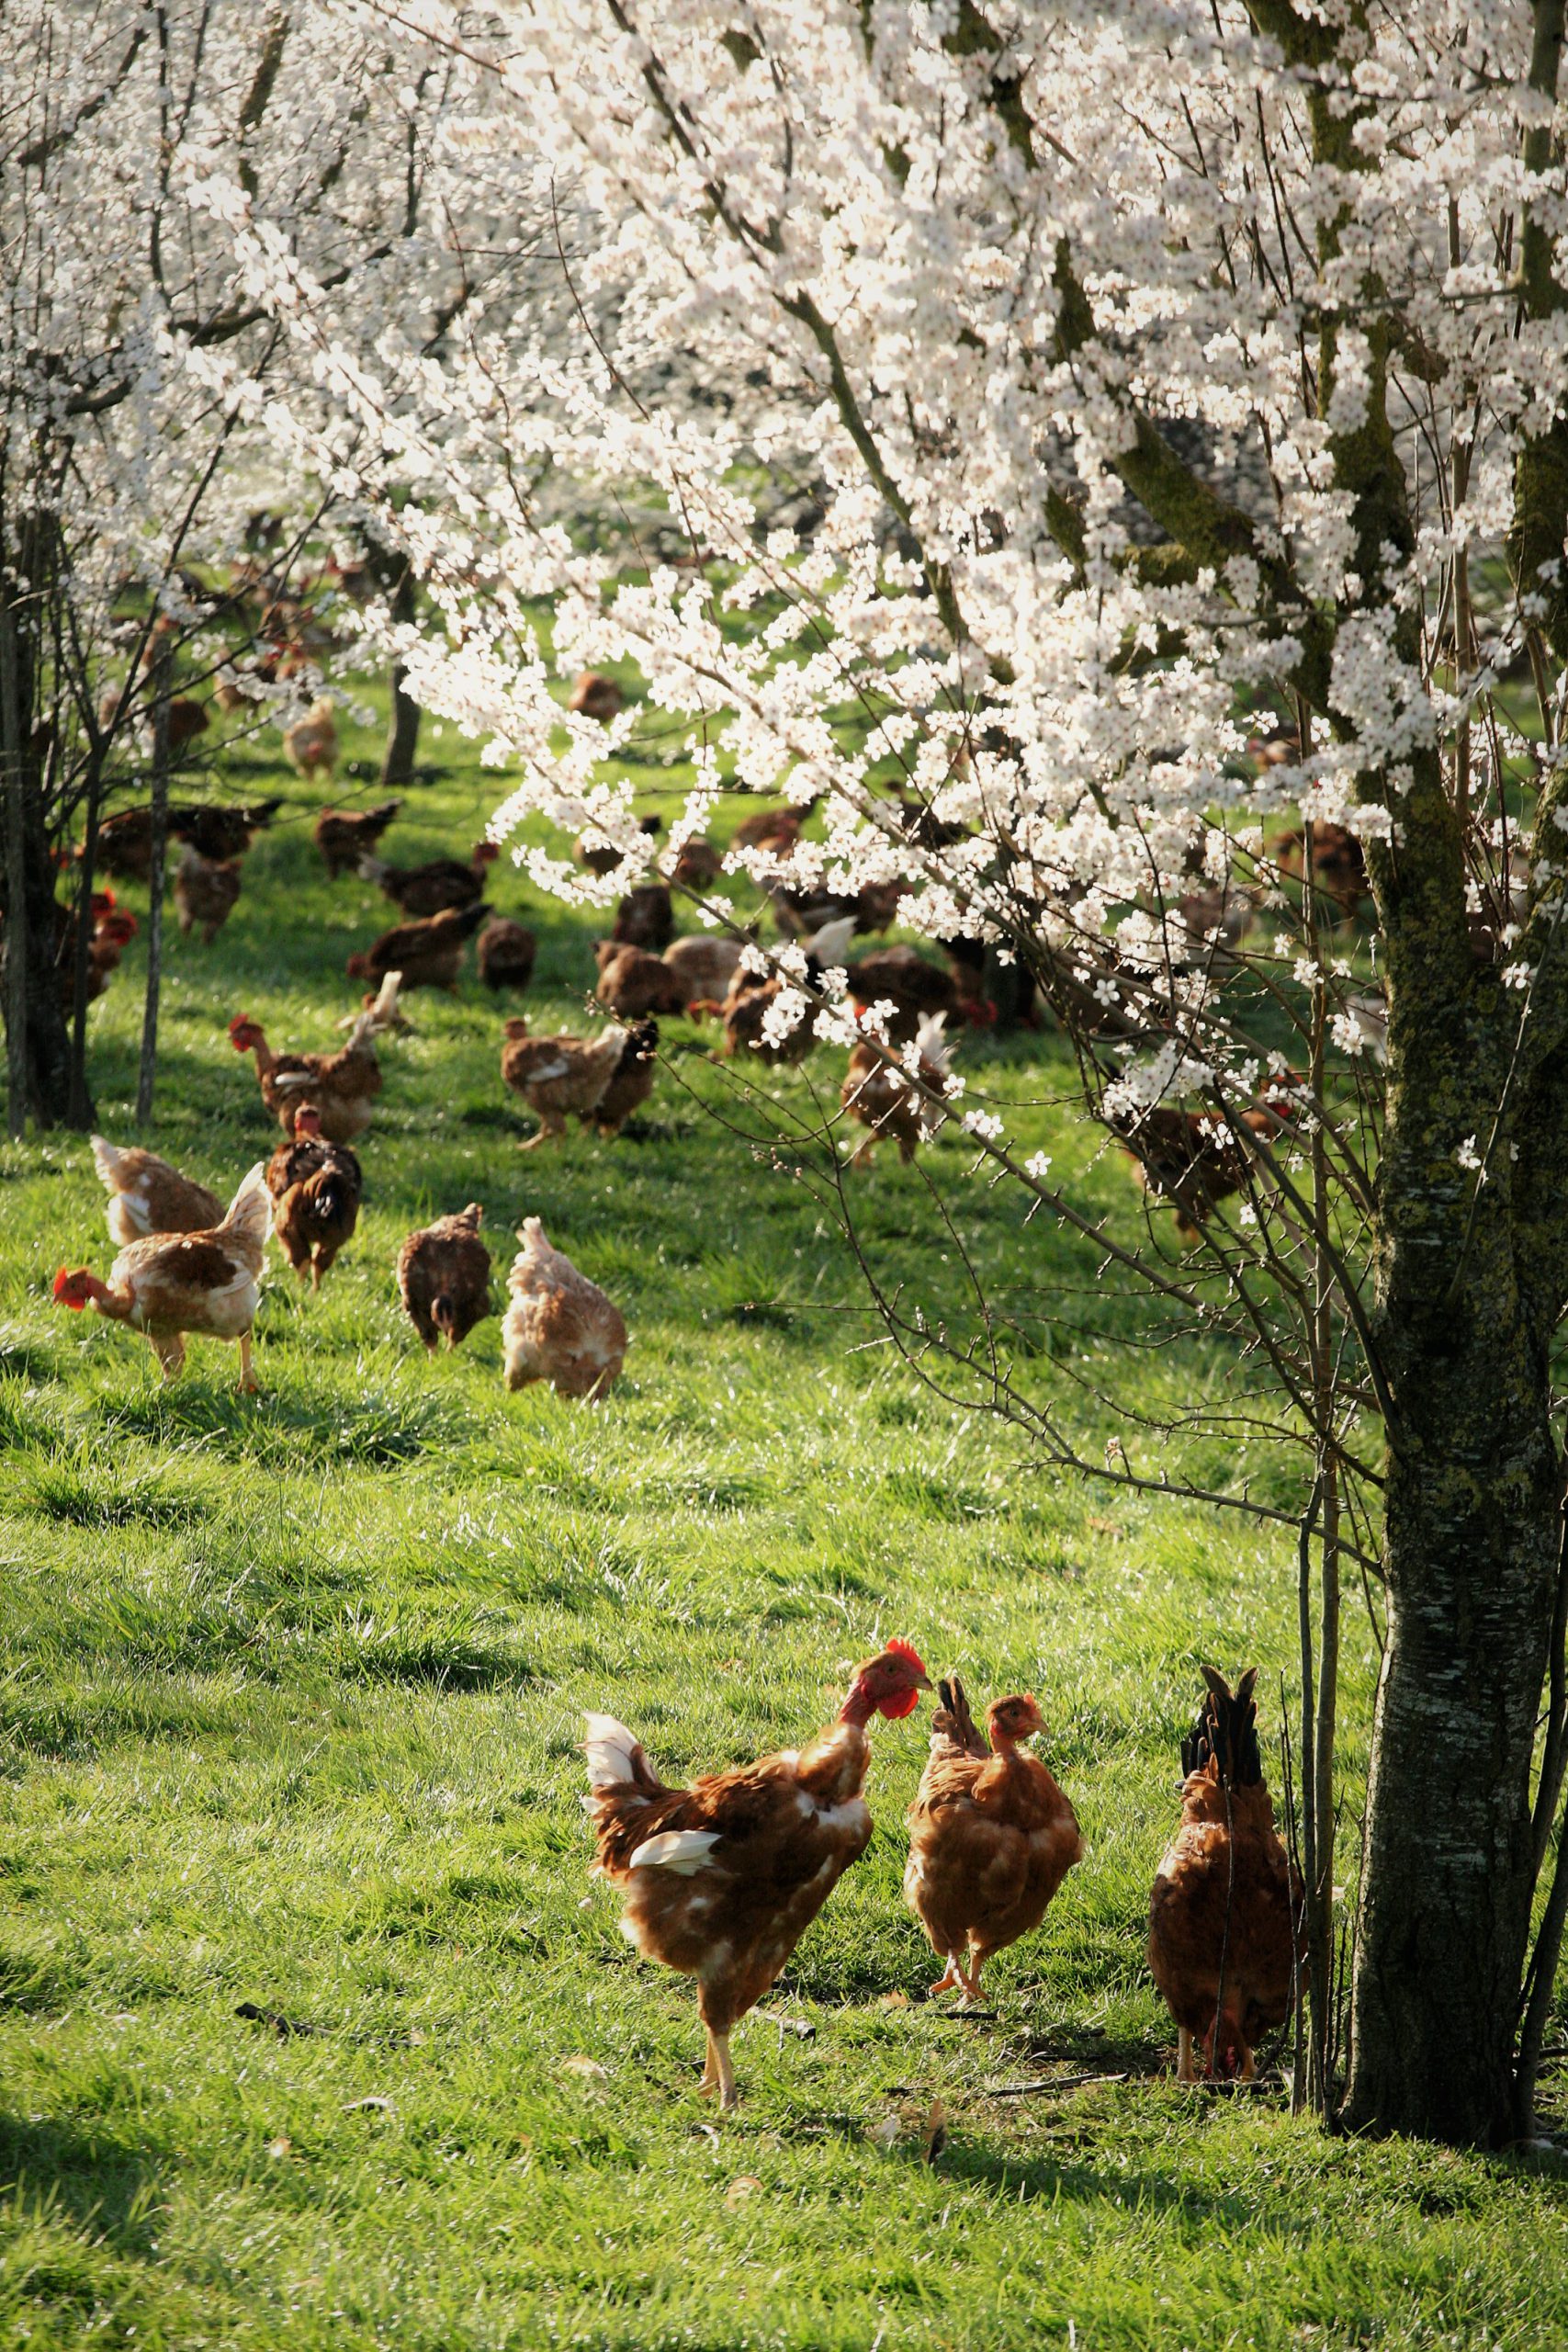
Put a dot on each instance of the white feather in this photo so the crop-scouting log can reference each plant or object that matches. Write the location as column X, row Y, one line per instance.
column 930, row 1042
column 830, row 945
column 685, row 1851
column 609, row 1748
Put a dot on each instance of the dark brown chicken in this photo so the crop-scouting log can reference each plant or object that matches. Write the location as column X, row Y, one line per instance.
column 205, row 892
column 645, row 918
column 1338, row 864
column 504, row 952
column 345, row 836
column 631, row 1081
column 217, row 833
column 444, row 1277
column 723, row 1879
column 916, row 991
column 876, row 1092
column 991, row 1837
column 1227, row 1930
column 601, row 856
column 1195, row 1158
column 316, row 1188
column 775, row 829
column 595, row 696
column 429, row 889
column 427, row 954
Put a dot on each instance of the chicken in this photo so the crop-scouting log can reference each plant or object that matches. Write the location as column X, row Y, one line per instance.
column 799, row 913
column 316, row 1188
column 1227, row 1928
column 1338, row 865
column 632, row 982
column 599, row 854
column 595, row 696
column 444, row 1277
column 342, row 1085
column 428, row 954
column 752, row 994
column 311, row 744
column 205, row 892
column 705, row 965
column 1195, row 1158
column 429, row 889
column 698, row 865
column 900, row 977
column 558, row 1077
column 147, row 1195
column 167, row 1285
column 504, row 952
column 217, row 832
column 775, row 829
column 113, row 930
column 558, row 1327
column 345, row 836
column 124, row 845
column 631, row 1081
column 991, row 1837
column 723, row 1879
column 878, row 1093
column 1215, row 922
column 645, row 918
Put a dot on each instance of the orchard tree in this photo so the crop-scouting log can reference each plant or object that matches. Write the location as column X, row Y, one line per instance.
column 1134, row 372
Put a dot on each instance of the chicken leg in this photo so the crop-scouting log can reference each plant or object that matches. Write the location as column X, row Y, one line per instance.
column 248, row 1383
column 1184, row 2073
column 718, row 2075
column 170, row 1350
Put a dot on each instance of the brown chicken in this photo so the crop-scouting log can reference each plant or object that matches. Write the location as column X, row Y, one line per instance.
column 561, row 1077
column 168, row 1284
column 631, row 982
column 991, row 1837
column 601, row 856
column 876, row 1092
column 427, row 954
column 775, row 829
column 205, row 893
column 705, row 965
column 698, row 864
column 631, row 1083
column 215, row 832
column 723, row 1879
column 316, row 1188
column 311, row 744
column 645, row 918
column 558, row 1327
column 443, row 1278
column 113, row 930
column 429, row 889
column 343, row 1086
column 344, row 836
column 595, row 696
column 147, row 1195
column 1227, row 1926
column 504, row 952
column 902, row 978
column 1194, row 1157
column 1338, row 864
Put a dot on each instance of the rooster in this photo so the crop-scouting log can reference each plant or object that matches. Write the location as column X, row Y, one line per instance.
column 427, row 954
column 443, row 1278
column 345, row 836
column 991, row 1835
column 169, row 1285
column 559, row 1327
column 317, row 1187
column 560, row 1077
column 878, row 1094
column 723, row 1879
column 147, row 1195
column 1227, row 1928
column 342, row 1085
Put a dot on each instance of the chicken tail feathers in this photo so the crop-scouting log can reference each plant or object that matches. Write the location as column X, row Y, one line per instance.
column 616, row 1758
column 107, row 1160
column 248, row 1216
column 954, row 1720
column 1226, row 1731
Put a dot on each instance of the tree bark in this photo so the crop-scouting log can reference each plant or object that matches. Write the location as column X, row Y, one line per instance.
column 17, row 942
column 402, row 734
column 147, row 1075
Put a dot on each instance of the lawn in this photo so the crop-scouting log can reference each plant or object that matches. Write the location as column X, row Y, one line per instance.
column 315, row 2032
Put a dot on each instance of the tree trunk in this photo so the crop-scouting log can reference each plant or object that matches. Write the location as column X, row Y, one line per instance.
column 402, row 735
column 14, row 779
column 38, row 1050
column 1449, row 1867
column 147, row 1075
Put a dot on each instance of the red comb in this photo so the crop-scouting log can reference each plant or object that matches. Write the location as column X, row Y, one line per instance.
column 61, row 1285
column 908, row 1652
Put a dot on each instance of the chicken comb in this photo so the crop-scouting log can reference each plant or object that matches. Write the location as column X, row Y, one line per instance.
column 908, row 1652
column 241, row 1021
column 62, row 1287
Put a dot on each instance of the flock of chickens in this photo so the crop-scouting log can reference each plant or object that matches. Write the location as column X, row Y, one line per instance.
column 722, row 1879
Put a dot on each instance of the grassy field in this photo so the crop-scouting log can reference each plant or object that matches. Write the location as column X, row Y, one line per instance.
column 313, row 2032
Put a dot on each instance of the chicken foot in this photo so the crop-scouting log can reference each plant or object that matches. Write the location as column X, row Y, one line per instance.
column 718, row 2075
column 550, row 1130
column 957, row 1978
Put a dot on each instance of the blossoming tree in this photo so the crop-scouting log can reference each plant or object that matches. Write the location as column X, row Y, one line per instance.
column 1036, row 396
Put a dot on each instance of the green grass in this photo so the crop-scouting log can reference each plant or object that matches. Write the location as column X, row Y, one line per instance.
column 290, row 1706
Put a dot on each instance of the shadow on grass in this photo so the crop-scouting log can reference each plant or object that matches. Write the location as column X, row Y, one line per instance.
column 89, row 2177
column 376, row 1432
